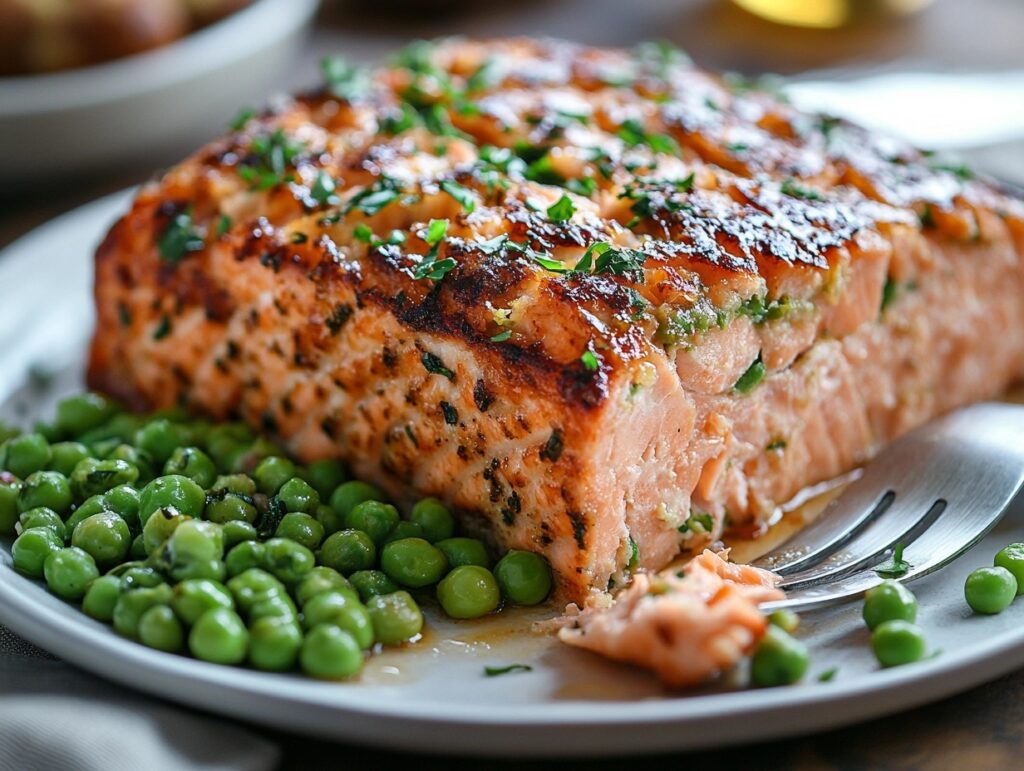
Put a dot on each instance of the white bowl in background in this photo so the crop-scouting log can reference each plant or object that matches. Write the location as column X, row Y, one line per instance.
column 151, row 107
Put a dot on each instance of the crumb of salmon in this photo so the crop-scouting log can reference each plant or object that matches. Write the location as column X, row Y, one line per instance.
column 687, row 625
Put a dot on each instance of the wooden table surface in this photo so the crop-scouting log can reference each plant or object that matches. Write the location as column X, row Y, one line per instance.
column 980, row 729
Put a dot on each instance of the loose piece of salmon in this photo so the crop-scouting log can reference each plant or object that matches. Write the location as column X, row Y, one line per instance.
column 602, row 303
column 687, row 625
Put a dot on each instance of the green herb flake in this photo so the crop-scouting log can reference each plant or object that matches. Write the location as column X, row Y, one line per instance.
column 223, row 224
column 242, row 117
column 752, row 377
column 590, row 361
column 501, row 337
column 436, row 231
column 363, row 232
column 433, row 364
column 298, row 237
column 322, row 189
column 179, row 238
column 634, row 555
column 163, row 328
column 451, row 415
column 372, row 199
column 496, row 671
column 794, row 189
column 345, row 81
column 889, row 292
column 776, row 444
column 895, row 566
column 463, row 195
column 561, row 210
column 828, row 675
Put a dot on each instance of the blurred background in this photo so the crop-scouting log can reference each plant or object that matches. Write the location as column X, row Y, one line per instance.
column 97, row 94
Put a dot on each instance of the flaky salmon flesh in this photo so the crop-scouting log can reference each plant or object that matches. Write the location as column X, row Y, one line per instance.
column 605, row 305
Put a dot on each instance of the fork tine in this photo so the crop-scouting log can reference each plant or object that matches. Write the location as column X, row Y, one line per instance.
column 972, row 462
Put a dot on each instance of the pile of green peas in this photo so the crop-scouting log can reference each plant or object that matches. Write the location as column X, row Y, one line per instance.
column 188, row 535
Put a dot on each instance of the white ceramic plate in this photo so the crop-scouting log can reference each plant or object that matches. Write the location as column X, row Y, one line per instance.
column 435, row 697
column 155, row 105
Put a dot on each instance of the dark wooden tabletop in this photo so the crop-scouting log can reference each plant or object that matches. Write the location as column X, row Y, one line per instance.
column 980, row 729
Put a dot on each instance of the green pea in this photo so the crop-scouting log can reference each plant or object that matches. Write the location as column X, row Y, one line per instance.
column 275, row 605
column 319, row 580
column 160, row 438
column 226, row 442
column 897, row 642
column 405, row 529
column 274, row 643
column 785, row 619
column 219, row 636
column 342, row 610
column 26, row 453
column 235, row 531
column 435, row 519
column 331, row 521
column 325, row 476
column 287, row 560
column 297, row 495
column 778, row 659
column 101, row 597
column 43, row 517
column 887, row 601
column 132, row 604
column 104, row 536
column 247, row 458
column 120, row 428
column 68, row 572
column 136, row 457
column 396, row 617
column 524, row 577
column 374, row 518
column 103, row 448
column 95, row 477
column 92, row 505
column 1012, row 558
column 159, row 628
column 30, row 550
column 45, row 488
column 193, row 597
column 172, row 491
column 469, row 591
column 159, row 527
column 245, row 556
column 193, row 463
column 64, row 456
column 48, row 431
column 197, row 541
column 371, row 583
column 349, row 494
column 123, row 500
column 302, row 529
column 9, row 489
column 137, row 575
column 990, row 590
column 464, row 551
column 223, row 506
column 413, row 562
column 348, row 551
column 271, row 473
column 252, row 585
column 82, row 412
column 330, row 653
column 239, row 484
column 138, row 549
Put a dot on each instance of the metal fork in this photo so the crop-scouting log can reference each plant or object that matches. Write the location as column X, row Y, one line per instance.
column 937, row 491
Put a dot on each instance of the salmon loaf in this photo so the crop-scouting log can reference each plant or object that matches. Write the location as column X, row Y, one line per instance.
column 602, row 303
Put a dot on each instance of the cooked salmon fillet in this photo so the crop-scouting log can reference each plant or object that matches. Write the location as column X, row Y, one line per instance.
column 602, row 303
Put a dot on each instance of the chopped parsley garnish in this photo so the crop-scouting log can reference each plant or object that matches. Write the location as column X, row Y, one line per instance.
column 760, row 309
column 776, row 444
column 633, row 133
column 895, row 566
column 272, row 155
column 650, row 199
column 451, row 415
column 601, row 257
column 433, row 364
column 322, row 189
column 463, row 195
column 363, row 232
column 561, row 210
column 298, row 237
column 180, row 237
column 372, row 199
column 344, row 80
column 163, row 328
column 698, row 522
column 483, row 78
column 794, row 189
column 495, row 671
column 548, row 264
column 501, row 337
column 431, row 267
column 958, row 170
column 752, row 377
column 590, row 361
column 889, row 292
column 634, row 555
column 242, row 117
column 585, row 186
column 405, row 119
column 223, row 224
column 828, row 675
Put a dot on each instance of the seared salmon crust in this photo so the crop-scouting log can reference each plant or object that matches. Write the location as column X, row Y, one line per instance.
column 602, row 303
